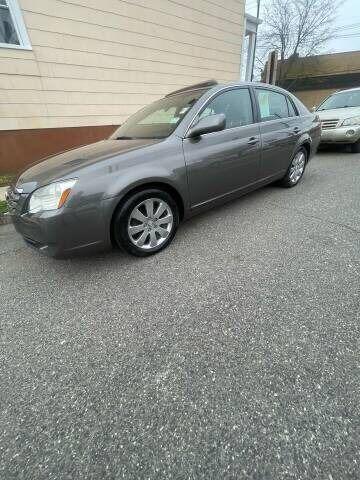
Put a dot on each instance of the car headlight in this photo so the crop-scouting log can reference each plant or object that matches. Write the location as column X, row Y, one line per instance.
column 351, row 121
column 51, row 197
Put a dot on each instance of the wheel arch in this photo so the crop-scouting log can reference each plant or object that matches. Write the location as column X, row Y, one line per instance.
column 307, row 145
column 160, row 185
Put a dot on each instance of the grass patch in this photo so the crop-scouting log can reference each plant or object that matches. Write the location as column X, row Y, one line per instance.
column 3, row 207
column 6, row 179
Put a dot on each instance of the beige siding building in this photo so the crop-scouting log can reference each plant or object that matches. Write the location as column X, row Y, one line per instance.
column 72, row 70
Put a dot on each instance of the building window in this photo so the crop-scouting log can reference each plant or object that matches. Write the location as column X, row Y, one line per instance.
column 12, row 28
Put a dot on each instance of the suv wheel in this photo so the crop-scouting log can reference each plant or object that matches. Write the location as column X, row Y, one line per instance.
column 296, row 169
column 146, row 222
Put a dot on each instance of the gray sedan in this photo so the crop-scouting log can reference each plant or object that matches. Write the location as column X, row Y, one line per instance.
column 191, row 150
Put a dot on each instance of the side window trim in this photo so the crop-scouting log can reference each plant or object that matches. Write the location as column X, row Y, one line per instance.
column 217, row 94
column 290, row 102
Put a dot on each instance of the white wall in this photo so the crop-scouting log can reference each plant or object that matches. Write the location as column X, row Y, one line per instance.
column 95, row 67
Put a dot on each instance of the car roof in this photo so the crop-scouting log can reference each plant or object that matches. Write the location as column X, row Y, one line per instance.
column 215, row 86
column 355, row 89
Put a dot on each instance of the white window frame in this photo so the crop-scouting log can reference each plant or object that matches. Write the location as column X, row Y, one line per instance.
column 19, row 26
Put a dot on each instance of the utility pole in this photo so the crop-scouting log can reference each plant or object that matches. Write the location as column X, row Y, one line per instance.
column 271, row 68
column 257, row 26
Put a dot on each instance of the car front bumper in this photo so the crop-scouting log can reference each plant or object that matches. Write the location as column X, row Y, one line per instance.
column 57, row 234
column 341, row 135
column 64, row 232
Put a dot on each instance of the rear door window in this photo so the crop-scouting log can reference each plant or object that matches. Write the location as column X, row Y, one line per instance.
column 273, row 105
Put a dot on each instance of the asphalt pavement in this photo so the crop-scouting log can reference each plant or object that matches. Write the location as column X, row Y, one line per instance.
column 233, row 354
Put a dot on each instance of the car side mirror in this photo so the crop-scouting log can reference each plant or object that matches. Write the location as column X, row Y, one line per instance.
column 212, row 123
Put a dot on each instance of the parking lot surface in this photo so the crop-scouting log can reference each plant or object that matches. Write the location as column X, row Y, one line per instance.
column 234, row 354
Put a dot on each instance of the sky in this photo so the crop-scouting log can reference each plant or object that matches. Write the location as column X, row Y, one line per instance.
column 348, row 16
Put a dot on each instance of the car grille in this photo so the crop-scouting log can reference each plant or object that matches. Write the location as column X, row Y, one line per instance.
column 329, row 124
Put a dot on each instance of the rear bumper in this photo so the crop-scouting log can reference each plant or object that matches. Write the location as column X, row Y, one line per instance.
column 64, row 232
column 341, row 135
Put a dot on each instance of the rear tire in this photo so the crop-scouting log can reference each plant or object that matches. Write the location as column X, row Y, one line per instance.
column 355, row 147
column 296, row 169
column 146, row 222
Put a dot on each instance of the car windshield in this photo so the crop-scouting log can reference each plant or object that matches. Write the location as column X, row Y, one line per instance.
column 342, row 100
column 159, row 119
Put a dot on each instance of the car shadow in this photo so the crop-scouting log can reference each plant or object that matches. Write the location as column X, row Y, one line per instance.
column 334, row 150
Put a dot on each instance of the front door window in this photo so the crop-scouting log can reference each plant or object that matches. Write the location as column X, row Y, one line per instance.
column 235, row 105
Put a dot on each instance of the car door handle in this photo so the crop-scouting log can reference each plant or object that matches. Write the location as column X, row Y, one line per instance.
column 253, row 141
column 296, row 130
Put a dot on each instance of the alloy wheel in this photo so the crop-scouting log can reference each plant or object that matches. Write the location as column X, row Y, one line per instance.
column 297, row 167
column 150, row 223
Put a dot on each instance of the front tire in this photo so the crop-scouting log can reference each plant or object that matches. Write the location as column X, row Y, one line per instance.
column 296, row 169
column 146, row 222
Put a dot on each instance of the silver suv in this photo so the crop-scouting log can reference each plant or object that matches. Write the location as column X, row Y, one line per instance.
column 340, row 119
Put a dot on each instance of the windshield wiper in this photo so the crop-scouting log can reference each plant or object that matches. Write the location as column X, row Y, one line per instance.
column 124, row 137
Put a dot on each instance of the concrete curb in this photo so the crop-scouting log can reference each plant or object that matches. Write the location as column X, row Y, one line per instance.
column 5, row 218
column 2, row 192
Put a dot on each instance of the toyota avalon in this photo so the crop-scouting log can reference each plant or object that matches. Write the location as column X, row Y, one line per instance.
column 195, row 148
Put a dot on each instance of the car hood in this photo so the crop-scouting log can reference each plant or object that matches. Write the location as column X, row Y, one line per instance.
column 339, row 113
column 67, row 163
